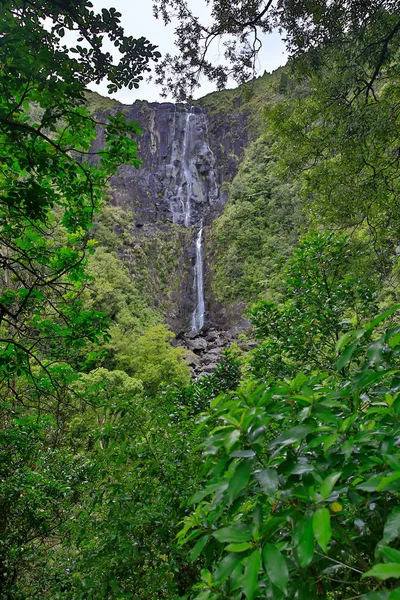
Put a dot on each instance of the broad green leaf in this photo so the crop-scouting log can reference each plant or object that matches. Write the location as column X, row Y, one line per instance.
column 209, row 489
column 293, row 435
column 250, row 579
column 268, row 479
column 386, row 482
column 241, row 547
column 322, row 527
column 391, row 554
column 384, row 571
column 328, row 484
column 203, row 595
column 196, row 551
column 382, row 317
column 349, row 335
column 384, row 595
column 392, row 527
column 330, row 440
column 375, row 351
column 231, row 439
column 234, row 533
column 303, row 539
column 226, row 566
column 370, row 485
column 347, row 355
column 239, row 479
column 276, row 566
column 394, row 340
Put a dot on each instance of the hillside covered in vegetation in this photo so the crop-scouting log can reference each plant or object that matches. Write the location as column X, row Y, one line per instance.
column 199, row 312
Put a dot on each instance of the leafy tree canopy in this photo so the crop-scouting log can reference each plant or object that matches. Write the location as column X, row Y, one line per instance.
column 307, row 26
column 340, row 138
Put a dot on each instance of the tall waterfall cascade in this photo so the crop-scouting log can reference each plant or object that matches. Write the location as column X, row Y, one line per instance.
column 170, row 202
column 192, row 190
column 198, row 284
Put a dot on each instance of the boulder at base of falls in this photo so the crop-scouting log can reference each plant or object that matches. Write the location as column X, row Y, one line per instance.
column 192, row 359
column 197, row 345
column 211, row 336
column 209, row 368
column 210, row 357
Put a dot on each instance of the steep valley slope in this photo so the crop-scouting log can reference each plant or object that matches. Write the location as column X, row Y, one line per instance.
column 176, row 218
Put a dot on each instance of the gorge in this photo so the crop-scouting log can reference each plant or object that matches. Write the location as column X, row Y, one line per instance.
column 176, row 194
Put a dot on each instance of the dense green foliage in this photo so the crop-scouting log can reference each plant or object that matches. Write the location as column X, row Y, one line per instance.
column 278, row 475
column 341, row 138
column 255, row 236
column 56, row 416
column 301, row 496
column 324, row 297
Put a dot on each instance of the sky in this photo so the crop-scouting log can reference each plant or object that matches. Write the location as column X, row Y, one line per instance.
column 138, row 20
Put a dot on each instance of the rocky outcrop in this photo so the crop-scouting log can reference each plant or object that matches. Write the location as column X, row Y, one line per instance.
column 177, row 182
column 204, row 349
column 187, row 158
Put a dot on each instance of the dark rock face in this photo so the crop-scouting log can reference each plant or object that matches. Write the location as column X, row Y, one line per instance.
column 186, row 159
column 177, row 182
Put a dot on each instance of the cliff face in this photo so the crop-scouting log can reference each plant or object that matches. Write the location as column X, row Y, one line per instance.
column 171, row 201
column 186, row 157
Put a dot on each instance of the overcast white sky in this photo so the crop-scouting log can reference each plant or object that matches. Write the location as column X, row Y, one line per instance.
column 138, row 20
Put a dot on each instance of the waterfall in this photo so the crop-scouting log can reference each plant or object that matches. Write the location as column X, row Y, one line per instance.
column 198, row 285
column 187, row 178
column 181, row 203
column 191, row 189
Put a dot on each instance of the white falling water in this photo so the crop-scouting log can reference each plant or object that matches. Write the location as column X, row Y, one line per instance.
column 190, row 192
column 198, row 313
column 181, row 206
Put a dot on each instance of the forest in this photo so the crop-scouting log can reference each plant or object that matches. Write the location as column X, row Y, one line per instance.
column 200, row 305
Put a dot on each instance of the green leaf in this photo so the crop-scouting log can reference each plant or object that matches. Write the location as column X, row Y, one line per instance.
column 391, row 554
column 226, row 566
column 209, row 489
column 330, row 440
column 328, row 484
column 346, row 357
column 384, row 571
column 231, row 439
column 234, row 533
column 386, row 482
column 241, row 547
column 370, row 485
column 303, row 539
column 250, row 579
column 239, row 479
column 268, row 479
column 322, row 527
column 203, row 595
column 276, row 566
column 349, row 335
column 196, row 551
column 293, row 435
column 382, row 317
column 384, row 595
column 392, row 527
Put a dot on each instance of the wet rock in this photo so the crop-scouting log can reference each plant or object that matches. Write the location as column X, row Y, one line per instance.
column 185, row 153
column 209, row 368
column 197, row 345
column 202, row 375
column 211, row 336
column 192, row 360
column 191, row 335
column 215, row 351
column 209, row 358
